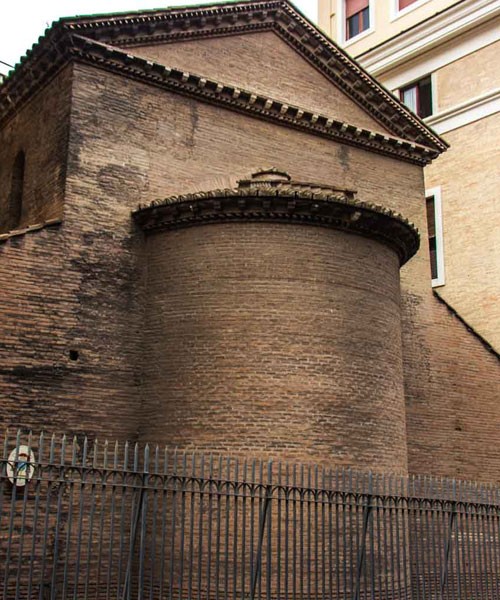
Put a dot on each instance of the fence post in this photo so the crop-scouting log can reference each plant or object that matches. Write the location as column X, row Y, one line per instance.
column 444, row 575
column 135, row 522
column 367, row 511
column 263, row 520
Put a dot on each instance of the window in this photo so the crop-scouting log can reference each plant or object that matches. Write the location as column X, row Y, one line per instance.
column 430, row 205
column 16, row 192
column 418, row 96
column 435, row 235
column 357, row 13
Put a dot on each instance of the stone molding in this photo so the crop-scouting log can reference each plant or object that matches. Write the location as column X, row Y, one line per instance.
column 221, row 20
column 465, row 113
column 244, row 101
column 29, row 229
column 434, row 31
column 283, row 202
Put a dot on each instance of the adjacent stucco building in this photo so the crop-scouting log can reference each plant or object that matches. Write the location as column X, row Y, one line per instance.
column 441, row 58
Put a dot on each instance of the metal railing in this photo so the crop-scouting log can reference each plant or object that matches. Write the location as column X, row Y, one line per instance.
column 81, row 520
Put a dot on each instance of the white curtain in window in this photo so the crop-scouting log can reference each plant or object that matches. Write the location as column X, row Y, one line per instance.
column 410, row 98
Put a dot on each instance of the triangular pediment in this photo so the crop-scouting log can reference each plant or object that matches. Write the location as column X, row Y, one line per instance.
column 262, row 57
column 145, row 29
column 264, row 63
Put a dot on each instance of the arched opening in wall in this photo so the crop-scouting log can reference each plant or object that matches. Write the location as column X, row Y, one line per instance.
column 16, row 191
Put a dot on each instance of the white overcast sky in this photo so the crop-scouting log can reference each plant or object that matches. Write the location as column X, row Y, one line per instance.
column 23, row 21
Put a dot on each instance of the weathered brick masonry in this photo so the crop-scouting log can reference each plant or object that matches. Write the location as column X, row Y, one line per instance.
column 258, row 338
column 248, row 343
column 69, row 344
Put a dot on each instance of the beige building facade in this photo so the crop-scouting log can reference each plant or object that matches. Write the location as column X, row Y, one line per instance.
column 441, row 58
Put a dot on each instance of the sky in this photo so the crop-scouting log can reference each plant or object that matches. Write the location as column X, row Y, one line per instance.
column 23, row 22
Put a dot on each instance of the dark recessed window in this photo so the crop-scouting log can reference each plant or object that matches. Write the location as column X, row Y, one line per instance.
column 16, row 192
column 357, row 13
column 431, row 229
column 418, row 96
column 435, row 235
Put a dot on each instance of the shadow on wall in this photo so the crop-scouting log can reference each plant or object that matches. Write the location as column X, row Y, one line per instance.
column 14, row 213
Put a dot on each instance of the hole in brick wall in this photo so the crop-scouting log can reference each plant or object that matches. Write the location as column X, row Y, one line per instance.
column 73, row 354
column 458, row 428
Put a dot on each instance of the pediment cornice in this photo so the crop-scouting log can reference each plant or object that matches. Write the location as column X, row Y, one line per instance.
column 155, row 27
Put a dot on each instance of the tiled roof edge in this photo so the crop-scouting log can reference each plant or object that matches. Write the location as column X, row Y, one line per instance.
column 110, row 58
column 470, row 329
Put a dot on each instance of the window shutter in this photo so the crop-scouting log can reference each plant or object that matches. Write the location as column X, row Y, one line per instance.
column 405, row 3
column 354, row 6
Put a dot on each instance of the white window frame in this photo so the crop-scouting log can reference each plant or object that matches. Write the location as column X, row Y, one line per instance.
column 438, row 224
column 396, row 13
column 434, row 92
column 341, row 28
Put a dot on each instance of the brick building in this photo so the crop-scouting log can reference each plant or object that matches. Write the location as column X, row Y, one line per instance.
column 275, row 304
column 440, row 58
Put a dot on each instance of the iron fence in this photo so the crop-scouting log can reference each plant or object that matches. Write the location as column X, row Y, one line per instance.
column 81, row 520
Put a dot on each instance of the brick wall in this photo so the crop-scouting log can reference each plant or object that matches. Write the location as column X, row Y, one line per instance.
column 81, row 287
column 266, row 338
column 35, row 303
column 68, row 301
column 287, row 77
column 40, row 130
column 468, row 175
column 469, row 77
column 453, row 425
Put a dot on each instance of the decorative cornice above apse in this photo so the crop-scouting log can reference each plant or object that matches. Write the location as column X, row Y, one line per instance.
column 270, row 196
column 171, row 25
